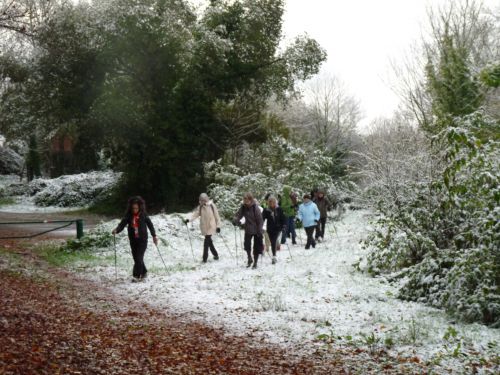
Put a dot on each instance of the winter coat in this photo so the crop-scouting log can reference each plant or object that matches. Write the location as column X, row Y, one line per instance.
column 286, row 203
column 144, row 223
column 275, row 219
column 209, row 218
column 253, row 218
column 323, row 206
column 308, row 214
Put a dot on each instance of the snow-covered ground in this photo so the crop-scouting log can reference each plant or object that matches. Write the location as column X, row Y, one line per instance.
column 24, row 204
column 306, row 294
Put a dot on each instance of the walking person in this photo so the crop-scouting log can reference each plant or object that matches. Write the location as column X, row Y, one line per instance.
column 267, row 241
column 276, row 223
column 309, row 215
column 209, row 224
column 324, row 206
column 138, row 223
column 251, row 211
column 289, row 204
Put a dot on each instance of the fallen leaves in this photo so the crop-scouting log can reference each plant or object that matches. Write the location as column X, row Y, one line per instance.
column 46, row 331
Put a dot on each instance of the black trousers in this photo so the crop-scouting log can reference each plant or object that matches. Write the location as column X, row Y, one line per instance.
column 310, row 239
column 273, row 237
column 208, row 244
column 258, row 246
column 320, row 228
column 138, row 246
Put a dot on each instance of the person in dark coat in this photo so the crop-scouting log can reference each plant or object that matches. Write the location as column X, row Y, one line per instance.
column 276, row 222
column 324, row 206
column 138, row 223
column 251, row 211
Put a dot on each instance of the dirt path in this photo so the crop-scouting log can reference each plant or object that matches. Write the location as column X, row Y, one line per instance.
column 52, row 322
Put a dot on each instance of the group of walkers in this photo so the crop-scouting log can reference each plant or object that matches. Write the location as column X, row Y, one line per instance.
column 263, row 224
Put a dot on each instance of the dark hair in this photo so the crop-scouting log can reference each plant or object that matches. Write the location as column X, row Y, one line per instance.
column 136, row 200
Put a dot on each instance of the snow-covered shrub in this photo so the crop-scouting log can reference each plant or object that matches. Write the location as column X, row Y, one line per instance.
column 96, row 239
column 267, row 168
column 396, row 156
column 73, row 190
column 444, row 238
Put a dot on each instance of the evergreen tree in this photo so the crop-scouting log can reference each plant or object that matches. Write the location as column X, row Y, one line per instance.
column 33, row 165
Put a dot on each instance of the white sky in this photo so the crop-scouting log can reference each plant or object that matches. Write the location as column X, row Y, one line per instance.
column 361, row 37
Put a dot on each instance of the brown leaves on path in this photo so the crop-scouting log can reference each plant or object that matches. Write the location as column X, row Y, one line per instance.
column 56, row 326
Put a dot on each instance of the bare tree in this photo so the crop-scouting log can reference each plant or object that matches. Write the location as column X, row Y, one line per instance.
column 24, row 16
column 333, row 112
column 396, row 156
column 474, row 30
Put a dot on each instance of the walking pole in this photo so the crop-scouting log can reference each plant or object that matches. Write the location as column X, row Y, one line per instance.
column 116, row 272
column 300, row 236
column 241, row 241
column 161, row 257
column 227, row 246
column 236, row 244
column 289, row 250
column 190, row 243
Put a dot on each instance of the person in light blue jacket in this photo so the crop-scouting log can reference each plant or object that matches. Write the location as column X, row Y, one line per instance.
column 309, row 215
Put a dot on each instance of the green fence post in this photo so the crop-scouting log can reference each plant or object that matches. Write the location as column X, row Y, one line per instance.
column 79, row 228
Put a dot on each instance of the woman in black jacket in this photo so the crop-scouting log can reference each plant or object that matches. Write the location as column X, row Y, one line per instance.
column 138, row 221
column 276, row 222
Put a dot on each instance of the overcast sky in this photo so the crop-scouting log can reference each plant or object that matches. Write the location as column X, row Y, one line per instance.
column 361, row 36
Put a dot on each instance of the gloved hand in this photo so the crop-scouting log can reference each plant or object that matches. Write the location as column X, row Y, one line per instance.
column 217, row 230
column 186, row 221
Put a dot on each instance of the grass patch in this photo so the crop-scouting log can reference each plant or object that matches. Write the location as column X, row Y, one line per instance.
column 4, row 201
column 61, row 256
column 10, row 256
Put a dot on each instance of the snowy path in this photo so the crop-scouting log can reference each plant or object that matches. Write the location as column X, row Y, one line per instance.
column 318, row 291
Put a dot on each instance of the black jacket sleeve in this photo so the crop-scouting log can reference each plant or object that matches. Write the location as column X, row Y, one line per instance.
column 265, row 215
column 122, row 224
column 282, row 218
column 238, row 216
column 150, row 226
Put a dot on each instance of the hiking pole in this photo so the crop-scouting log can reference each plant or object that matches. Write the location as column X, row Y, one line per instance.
column 241, row 241
column 300, row 236
column 236, row 244
column 161, row 257
column 289, row 251
column 227, row 246
column 114, row 242
column 190, row 243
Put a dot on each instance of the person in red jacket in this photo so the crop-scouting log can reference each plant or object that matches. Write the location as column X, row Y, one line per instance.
column 138, row 223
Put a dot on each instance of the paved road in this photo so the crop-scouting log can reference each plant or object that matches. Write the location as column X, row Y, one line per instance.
column 10, row 230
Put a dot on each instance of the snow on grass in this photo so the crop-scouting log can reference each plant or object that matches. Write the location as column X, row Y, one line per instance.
column 309, row 293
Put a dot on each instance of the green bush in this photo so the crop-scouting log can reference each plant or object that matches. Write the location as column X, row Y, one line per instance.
column 94, row 240
column 443, row 239
column 267, row 168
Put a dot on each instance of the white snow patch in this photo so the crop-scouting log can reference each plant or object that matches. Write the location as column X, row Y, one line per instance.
column 308, row 293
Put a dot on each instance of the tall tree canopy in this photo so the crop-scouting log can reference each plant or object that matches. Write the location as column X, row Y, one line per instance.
column 151, row 83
